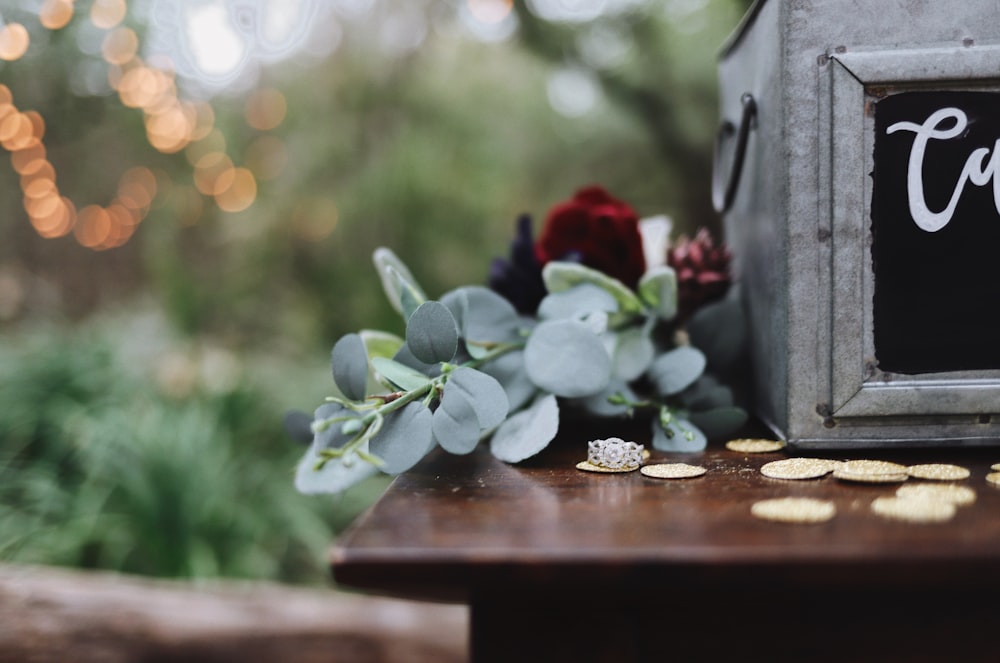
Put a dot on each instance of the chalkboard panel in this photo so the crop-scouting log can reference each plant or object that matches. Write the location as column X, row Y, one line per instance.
column 936, row 232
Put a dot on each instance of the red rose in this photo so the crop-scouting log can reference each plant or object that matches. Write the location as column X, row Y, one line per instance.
column 596, row 230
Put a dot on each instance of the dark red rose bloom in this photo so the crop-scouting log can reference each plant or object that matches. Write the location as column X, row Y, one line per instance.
column 597, row 230
column 702, row 270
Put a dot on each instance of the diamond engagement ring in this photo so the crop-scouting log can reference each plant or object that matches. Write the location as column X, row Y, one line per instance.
column 614, row 453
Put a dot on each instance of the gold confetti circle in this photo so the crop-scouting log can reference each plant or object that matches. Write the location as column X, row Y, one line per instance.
column 794, row 510
column 938, row 472
column 672, row 470
column 754, row 446
column 913, row 510
column 799, row 468
column 871, row 471
column 995, row 467
column 587, row 466
column 993, row 478
column 957, row 495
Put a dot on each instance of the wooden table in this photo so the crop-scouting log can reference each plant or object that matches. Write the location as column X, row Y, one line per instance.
column 563, row 565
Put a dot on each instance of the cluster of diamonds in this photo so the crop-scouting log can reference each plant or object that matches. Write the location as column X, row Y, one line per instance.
column 614, row 453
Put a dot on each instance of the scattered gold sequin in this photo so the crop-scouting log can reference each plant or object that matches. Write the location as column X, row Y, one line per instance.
column 957, row 495
column 938, row 472
column 672, row 470
column 799, row 468
column 993, row 478
column 913, row 510
column 794, row 510
column 587, row 466
column 871, row 471
column 754, row 446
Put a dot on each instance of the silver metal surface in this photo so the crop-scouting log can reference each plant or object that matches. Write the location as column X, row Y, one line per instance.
column 799, row 224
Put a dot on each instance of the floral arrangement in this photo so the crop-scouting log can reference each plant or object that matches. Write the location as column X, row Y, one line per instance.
column 598, row 317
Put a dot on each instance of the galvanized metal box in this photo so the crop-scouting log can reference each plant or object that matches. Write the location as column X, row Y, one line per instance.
column 858, row 172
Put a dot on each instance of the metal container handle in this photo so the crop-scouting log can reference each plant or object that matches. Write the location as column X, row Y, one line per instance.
column 724, row 190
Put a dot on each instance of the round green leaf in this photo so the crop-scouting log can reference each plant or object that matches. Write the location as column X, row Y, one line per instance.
column 485, row 318
column 400, row 287
column 658, row 291
column 680, row 435
column 509, row 371
column 676, row 370
column 483, row 392
column 350, row 366
column 565, row 358
column 576, row 302
column 719, row 329
column 560, row 276
column 431, row 333
column 336, row 475
column 719, row 422
column 405, row 438
column 455, row 424
column 527, row 432
column 633, row 354
column 599, row 405
column 399, row 375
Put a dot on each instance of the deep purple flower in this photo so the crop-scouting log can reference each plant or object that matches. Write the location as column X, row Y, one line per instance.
column 519, row 279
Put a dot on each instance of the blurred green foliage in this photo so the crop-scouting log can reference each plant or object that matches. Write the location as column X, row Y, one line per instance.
column 160, row 466
column 434, row 152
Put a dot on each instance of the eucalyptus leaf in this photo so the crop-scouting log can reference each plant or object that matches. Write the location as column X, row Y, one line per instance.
column 526, row 433
column 577, row 302
column 487, row 396
column 485, row 318
column 405, row 438
column 333, row 436
column 380, row 343
column 674, row 371
column 633, row 354
column 349, row 359
column 566, row 358
column 707, row 393
column 658, row 291
column 397, row 279
column 560, row 276
column 455, row 424
column 599, row 405
column 719, row 422
column 406, row 358
column 431, row 333
column 719, row 329
column 509, row 371
column 336, row 476
column 680, row 435
column 399, row 375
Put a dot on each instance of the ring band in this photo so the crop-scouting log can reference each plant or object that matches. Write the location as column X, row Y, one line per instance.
column 614, row 453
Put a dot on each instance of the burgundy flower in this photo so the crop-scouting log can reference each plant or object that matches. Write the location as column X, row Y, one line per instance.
column 597, row 230
column 702, row 271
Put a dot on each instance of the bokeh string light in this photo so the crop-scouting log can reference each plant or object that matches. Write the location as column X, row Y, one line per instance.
column 173, row 125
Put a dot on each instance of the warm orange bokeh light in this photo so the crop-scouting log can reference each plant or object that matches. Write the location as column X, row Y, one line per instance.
column 265, row 109
column 28, row 160
column 213, row 173
column 106, row 14
column 240, row 194
column 120, row 45
column 137, row 188
column 93, row 226
column 58, row 223
column 14, row 41
column 56, row 14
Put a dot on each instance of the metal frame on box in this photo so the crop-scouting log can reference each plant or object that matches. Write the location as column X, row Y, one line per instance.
column 860, row 402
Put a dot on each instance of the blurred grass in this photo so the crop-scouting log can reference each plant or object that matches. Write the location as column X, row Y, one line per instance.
column 105, row 464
